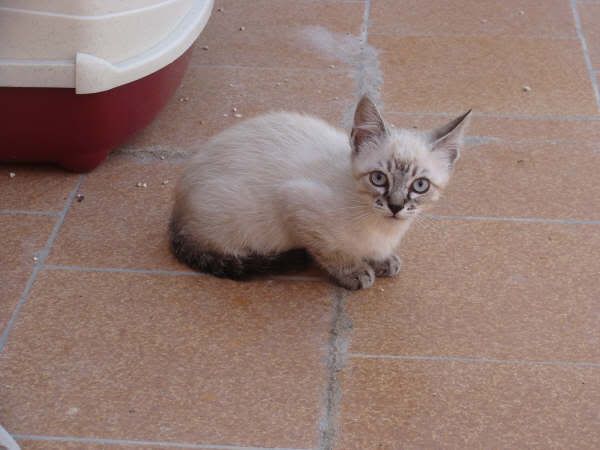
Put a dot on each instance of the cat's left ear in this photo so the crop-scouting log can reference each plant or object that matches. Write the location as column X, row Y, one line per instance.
column 448, row 138
column 368, row 125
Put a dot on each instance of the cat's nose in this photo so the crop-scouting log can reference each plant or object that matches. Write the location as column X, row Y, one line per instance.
column 395, row 208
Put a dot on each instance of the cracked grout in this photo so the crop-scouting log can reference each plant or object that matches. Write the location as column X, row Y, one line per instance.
column 586, row 54
column 336, row 360
column 341, row 326
column 145, row 443
column 472, row 360
column 42, row 257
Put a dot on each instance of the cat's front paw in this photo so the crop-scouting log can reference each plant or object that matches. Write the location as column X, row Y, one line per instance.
column 359, row 279
column 389, row 267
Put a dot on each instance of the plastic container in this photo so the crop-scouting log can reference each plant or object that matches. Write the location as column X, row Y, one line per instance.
column 79, row 76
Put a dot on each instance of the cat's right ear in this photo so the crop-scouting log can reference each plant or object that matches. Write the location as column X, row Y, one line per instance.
column 368, row 125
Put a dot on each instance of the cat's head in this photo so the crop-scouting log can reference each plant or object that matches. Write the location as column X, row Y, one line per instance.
column 402, row 171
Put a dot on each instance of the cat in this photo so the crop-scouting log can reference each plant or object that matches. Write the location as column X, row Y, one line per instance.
column 285, row 186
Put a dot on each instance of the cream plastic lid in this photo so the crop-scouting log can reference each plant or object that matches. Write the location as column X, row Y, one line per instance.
column 94, row 45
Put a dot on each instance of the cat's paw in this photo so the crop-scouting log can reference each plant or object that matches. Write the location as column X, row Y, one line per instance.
column 361, row 278
column 389, row 267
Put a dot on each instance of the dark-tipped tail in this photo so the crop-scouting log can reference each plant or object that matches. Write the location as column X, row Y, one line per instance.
column 231, row 266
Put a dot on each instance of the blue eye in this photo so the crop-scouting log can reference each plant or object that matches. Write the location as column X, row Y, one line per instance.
column 378, row 178
column 420, row 185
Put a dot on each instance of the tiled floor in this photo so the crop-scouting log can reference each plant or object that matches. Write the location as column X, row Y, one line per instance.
column 489, row 338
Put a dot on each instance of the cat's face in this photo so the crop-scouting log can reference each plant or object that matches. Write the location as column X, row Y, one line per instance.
column 401, row 172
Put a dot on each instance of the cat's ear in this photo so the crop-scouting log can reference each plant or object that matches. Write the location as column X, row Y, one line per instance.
column 368, row 124
column 448, row 138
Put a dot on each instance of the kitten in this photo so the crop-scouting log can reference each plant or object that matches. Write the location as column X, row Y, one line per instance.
column 282, row 185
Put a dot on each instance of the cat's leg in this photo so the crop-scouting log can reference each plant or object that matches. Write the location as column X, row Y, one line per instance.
column 388, row 267
column 347, row 271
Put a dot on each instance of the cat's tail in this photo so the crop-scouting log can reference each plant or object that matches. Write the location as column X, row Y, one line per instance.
column 232, row 266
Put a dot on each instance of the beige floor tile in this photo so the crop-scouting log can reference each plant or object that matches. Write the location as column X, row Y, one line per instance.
column 119, row 224
column 274, row 32
column 169, row 359
column 590, row 24
column 197, row 110
column 44, row 189
column 528, row 18
column 22, row 237
column 508, row 128
column 553, row 181
column 30, row 444
column 390, row 404
column 452, row 74
column 13, row 283
column 498, row 290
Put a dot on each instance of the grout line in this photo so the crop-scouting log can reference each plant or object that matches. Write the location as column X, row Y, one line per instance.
column 336, row 359
column 539, row 37
column 366, row 21
column 514, row 219
column 33, row 213
column 474, row 360
column 125, row 270
column 586, row 54
column 502, row 139
column 169, row 272
column 289, row 69
column 498, row 116
column 42, row 256
column 145, row 443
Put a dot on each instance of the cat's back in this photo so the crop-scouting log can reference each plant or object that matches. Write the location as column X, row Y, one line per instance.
column 279, row 140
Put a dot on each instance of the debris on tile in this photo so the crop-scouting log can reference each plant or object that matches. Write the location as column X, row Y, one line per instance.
column 80, row 197
column 238, row 115
column 35, row 258
column 165, row 182
column 12, row 174
column 141, row 185
column 520, row 161
column 382, row 289
column 278, row 83
column 225, row 115
column 336, row 98
column 72, row 411
column 184, row 99
column 242, row 28
column 526, row 88
column 204, row 47
column 162, row 157
column 332, row 66
column 220, row 9
column 201, row 122
column 230, row 84
column 483, row 20
column 234, row 109
column 521, row 12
